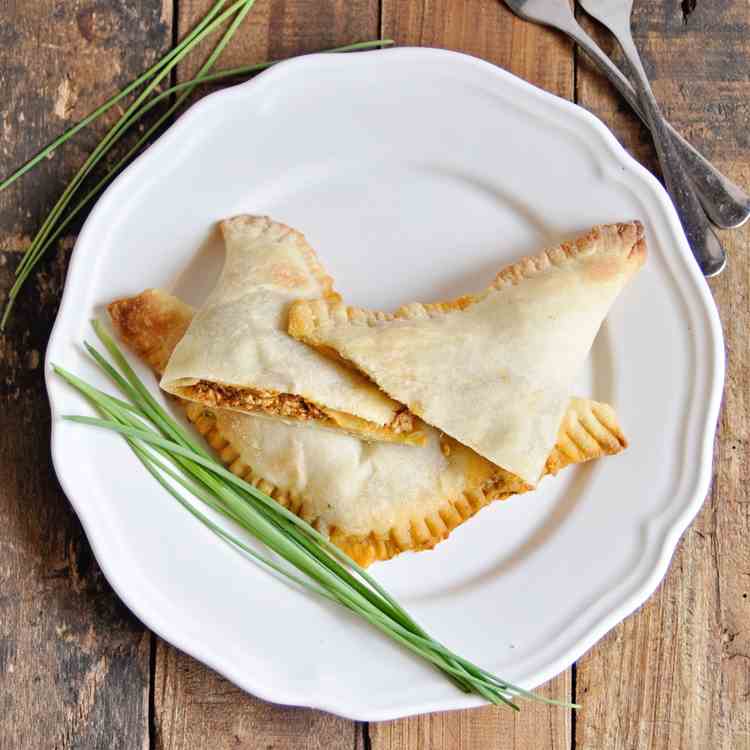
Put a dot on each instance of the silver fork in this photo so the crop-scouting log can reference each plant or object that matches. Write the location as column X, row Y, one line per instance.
column 726, row 204
column 615, row 15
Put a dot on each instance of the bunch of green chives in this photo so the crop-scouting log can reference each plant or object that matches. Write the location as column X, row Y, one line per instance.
column 182, row 465
column 74, row 200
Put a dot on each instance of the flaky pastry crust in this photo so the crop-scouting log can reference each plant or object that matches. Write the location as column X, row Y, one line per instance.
column 149, row 324
column 493, row 370
column 236, row 353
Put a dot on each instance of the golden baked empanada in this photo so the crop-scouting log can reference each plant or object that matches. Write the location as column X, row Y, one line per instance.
column 373, row 500
column 493, row 370
column 237, row 354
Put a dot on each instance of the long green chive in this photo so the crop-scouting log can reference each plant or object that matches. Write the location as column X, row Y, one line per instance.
column 176, row 460
column 117, row 129
column 187, row 42
column 39, row 243
column 112, row 172
column 114, row 408
column 55, row 222
column 102, row 109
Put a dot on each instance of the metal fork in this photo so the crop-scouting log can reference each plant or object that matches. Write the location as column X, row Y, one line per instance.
column 727, row 205
column 615, row 15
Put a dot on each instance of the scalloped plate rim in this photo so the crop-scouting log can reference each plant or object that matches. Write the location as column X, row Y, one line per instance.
column 671, row 530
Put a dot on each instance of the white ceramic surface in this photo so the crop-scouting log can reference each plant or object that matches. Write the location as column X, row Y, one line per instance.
column 416, row 174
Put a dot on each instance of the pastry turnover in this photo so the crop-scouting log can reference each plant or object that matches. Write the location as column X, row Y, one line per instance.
column 493, row 370
column 236, row 353
column 374, row 500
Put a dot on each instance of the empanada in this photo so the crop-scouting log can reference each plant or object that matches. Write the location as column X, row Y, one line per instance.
column 374, row 500
column 237, row 354
column 493, row 370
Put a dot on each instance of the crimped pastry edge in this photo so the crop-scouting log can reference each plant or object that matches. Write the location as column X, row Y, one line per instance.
column 260, row 225
column 585, row 434
column 307, row 316
column 256, row 227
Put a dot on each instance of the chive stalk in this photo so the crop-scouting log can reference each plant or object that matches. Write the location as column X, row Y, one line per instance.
column 39, row 243
column 57, row 219
column 191, row 475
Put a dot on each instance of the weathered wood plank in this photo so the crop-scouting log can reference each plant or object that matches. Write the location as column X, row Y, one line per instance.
column 197, row 708
column 677, row 673
column 674, row 675
column 536, row 727
column 487, row 29
column 193, row 706
column 57, row 62
column 276, row 29
column 74, row 663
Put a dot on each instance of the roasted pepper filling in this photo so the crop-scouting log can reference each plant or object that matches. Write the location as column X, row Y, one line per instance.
column 285, row 405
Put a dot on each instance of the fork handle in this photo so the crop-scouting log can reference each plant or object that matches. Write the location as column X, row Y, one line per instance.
column 726, row 204
column 703, row 242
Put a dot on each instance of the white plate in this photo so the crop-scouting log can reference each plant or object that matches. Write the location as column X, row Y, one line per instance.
column 416, row 174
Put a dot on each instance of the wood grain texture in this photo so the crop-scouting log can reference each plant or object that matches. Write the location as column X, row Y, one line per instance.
column 74, row 663
column 196, row 708
column 193, row 707
column 536, row 727
column 677, row 673
column 59, row 60
column 276, row 29
column 484, row 28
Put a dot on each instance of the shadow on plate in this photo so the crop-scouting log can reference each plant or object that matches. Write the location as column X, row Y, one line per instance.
column 563, row 508
column 194, row 283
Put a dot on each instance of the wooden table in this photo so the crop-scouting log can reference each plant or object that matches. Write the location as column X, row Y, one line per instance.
column 77, row 670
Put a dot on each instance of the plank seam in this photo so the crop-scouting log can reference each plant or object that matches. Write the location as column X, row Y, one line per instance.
column 575, row 71
column 175, row 41
column 366, row 739
column 152, row 694
column 573, row 711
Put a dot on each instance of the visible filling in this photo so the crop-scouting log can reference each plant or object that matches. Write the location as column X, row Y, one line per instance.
column 247, row 399
column 503, row 484
column 286, row 405
column 403, row 421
